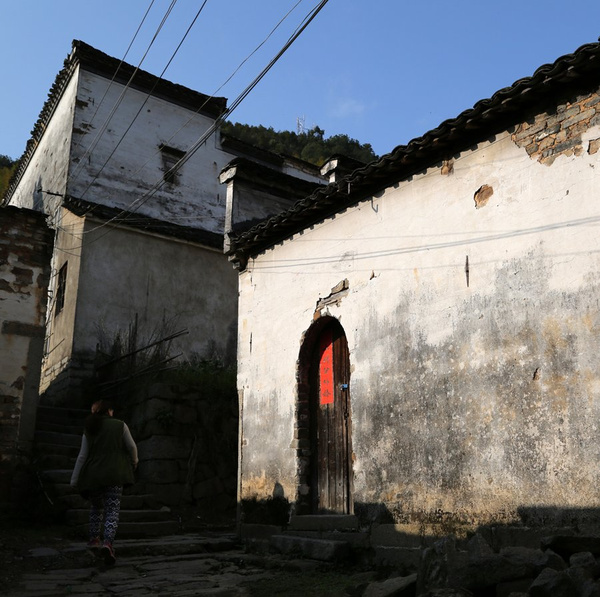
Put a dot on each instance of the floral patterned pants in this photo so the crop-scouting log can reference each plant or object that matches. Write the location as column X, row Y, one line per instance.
column 106, row 505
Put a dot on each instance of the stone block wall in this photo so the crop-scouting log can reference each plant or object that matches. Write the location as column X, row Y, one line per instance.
column 26, row 244
column 187, row 444
column 561, row 131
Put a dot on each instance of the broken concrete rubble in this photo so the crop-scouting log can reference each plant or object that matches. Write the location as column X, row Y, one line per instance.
column 512, row 571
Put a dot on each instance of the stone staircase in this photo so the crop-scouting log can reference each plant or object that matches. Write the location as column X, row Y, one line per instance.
column 57, row 442
column 327, row 538
column 340, row 538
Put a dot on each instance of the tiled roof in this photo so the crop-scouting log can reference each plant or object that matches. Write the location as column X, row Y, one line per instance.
column 118, row 217
column 571, row 73
column 98, row 62
column 95, row 61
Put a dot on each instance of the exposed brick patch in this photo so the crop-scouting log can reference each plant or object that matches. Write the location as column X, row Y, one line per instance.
column 447, row 167
column 482, row 195
column 593, row 146
column 551, row 134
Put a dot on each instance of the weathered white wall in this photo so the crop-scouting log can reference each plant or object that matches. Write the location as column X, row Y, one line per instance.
column 469, row 400
column 136, row 165
column 126, row 272
column 151, row 276
column 61, row 325
column 25, row 252
column 48, row 167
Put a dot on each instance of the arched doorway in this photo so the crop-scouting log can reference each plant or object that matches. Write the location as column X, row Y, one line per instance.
column 325, row 412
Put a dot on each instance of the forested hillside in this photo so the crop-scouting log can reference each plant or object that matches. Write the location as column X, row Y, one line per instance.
column 7, row 167
column 311, row 146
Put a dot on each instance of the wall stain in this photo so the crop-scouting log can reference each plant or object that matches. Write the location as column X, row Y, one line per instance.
column 498, row 415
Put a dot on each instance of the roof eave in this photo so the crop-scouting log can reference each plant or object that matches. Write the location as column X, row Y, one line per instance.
column 488, row 117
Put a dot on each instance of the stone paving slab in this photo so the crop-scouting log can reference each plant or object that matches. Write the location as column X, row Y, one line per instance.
column 203, row 572
column 178, row 566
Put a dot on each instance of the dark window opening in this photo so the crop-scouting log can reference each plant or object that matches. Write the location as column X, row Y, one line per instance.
column 61, row 285
column 170, row 157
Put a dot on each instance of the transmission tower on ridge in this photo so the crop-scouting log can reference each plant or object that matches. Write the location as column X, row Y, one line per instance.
column 301, row 125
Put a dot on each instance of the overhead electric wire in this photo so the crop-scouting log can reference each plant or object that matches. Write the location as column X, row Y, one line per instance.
column 119, row 68
column 220, row 119
column 148, row 95
column 123, row 212
column 135, row 205
column 104, row 126
column 214, row 93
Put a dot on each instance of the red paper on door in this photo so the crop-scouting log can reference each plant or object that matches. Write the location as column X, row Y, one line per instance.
column 326, row 368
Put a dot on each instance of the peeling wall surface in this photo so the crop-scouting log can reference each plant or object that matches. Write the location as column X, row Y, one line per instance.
column 176, row 284
column 83, row 153
column 118, row 161
column 136, row 166
column 25, row 252
column 472, row 319
column 49, row 167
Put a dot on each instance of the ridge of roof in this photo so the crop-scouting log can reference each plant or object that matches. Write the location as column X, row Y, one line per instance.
column 98, row 62
column 487, row 117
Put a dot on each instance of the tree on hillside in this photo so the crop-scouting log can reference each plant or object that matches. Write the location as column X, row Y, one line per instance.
column 311, row 146
column 7, row 167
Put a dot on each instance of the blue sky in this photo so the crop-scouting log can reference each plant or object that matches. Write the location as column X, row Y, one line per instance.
column 380, row 71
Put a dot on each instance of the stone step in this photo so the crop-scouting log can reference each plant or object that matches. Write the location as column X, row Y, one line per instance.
column 315, row 549
column 58, row 439
column 72, row 429
column 128, row 502
column 62, row 490
column 55, row 461
column 355, row 539
column 324, row 522
column 61, row 415
column 170, row 545
column 57, row 449
column 136, row 530
column 81, row 516
column 57, row 475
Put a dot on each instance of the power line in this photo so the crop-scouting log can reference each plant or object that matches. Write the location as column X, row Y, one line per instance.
column 104, row 126
column 135, row 205
column 214, row 93
column 123, row 212
column 118, row 68
column 148, row 95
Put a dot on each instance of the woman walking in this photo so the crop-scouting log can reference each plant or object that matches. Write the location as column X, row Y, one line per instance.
column 106, row 461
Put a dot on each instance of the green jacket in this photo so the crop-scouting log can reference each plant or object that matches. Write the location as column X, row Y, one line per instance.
column 108, row 462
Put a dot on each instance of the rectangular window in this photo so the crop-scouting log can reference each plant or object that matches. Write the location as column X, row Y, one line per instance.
column 61, row 285
column 170, row 156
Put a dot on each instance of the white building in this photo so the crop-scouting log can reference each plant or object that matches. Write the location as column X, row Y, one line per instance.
column 419, row 339
column 137, row 240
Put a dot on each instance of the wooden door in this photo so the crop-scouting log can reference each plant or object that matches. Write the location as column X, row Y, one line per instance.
column 330, row 423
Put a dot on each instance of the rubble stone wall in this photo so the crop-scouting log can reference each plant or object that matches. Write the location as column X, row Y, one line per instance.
column 25, row 252
column 187, row 444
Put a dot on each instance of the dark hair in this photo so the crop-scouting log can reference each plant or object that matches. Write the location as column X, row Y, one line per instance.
column 100, row 410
